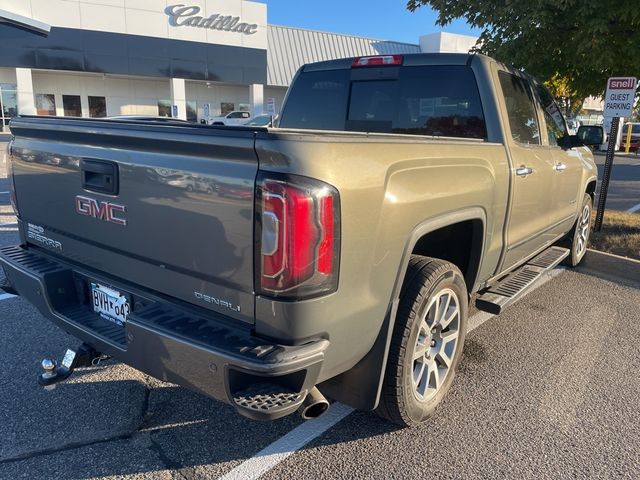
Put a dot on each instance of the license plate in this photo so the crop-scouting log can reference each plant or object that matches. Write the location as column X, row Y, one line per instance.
column 110, row 304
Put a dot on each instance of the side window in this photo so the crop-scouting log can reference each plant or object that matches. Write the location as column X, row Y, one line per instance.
column 556, row 126
column 520, row 108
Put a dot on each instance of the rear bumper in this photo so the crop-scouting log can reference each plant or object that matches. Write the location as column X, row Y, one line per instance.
column 171, row 341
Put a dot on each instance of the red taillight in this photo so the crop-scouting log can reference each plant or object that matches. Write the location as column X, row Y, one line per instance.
column 325, row 250
column 297, row 243
column 377, row 61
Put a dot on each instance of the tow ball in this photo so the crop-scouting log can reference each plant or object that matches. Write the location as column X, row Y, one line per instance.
column 83, row 356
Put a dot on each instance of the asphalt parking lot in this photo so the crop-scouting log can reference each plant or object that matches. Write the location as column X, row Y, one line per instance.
column 549, row 389
column 624, row 186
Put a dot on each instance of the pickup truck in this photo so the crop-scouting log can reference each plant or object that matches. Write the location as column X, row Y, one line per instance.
column 342, row 259
column 231, row 118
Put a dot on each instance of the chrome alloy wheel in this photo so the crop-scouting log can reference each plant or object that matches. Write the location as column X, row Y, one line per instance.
column 436, row 344
column 583, row 228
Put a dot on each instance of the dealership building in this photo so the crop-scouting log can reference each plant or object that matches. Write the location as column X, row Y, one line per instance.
column 193, row 60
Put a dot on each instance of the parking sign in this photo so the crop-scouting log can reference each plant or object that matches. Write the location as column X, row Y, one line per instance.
column 618, row 101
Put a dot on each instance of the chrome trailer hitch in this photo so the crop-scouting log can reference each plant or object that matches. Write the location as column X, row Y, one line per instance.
column 83, row 356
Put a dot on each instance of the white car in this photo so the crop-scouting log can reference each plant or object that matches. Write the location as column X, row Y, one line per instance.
column 231, row 118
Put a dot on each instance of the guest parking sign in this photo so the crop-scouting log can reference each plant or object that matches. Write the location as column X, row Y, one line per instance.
column 621, row 91
column 618, row 102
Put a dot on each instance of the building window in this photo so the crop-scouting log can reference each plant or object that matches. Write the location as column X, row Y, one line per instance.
column 226, row 107
column 164, row 108
column 45, row 104
column 192, row 112
column 97, row 107
column 244, row 107
column 71, row 105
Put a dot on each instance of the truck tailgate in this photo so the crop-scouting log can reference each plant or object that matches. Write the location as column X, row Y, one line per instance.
column 167, row 207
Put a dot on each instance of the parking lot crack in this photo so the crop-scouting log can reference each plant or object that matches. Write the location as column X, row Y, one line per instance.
column 144, row 412
column 65, row 448
column 167, row 461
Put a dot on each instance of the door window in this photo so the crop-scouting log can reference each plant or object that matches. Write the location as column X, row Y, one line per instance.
column 71, row 105
column 555, row 125
column 520, row 109
column 8, row 104
column 45, row 104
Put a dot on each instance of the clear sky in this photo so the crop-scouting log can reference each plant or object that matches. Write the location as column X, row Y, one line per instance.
column 381, row 19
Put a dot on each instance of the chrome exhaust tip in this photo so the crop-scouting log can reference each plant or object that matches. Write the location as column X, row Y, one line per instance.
column 314, row 405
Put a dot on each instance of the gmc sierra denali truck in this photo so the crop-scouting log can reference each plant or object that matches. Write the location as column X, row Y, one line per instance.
column 334, row 255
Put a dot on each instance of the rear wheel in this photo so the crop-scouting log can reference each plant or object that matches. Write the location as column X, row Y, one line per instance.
column 579, row 236
column 427, row 341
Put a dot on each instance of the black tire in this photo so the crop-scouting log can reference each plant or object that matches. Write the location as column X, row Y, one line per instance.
column 426, row 280
column 575, row 240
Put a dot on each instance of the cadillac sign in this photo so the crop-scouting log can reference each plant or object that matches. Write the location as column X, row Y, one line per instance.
column 184, row 16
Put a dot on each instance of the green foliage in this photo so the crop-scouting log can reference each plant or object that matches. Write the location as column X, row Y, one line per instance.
column 584, row 41
column 567, row 98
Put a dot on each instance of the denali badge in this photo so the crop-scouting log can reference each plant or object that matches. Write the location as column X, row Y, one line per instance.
column 101, row 210
column 217, row 301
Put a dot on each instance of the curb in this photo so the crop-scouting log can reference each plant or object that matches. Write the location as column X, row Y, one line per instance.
column 611, row 267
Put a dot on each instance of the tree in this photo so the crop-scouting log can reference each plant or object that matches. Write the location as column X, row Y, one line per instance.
column 568, row 100
column 581, row 41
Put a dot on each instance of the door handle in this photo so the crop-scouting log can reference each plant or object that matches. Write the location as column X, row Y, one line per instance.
column 100, row 176
column 524, row 171
column 560, row 167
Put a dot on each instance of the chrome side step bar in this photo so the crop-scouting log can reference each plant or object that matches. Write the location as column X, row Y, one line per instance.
column 505, row 291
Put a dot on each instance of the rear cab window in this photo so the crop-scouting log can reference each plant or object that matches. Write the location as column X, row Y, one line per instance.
column 415, row 100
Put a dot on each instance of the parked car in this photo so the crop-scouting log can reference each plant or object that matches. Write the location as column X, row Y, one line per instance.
column 635, row 137
column 231, row 118
column 265, row 120
column 396, row 189
column 573, row 125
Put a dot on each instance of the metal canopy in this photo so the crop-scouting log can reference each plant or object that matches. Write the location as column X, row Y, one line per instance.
column 24, row 22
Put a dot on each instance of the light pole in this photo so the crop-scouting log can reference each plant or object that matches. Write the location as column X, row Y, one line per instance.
column 1, row 110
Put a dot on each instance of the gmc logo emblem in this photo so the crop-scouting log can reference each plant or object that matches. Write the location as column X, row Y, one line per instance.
column 106, row 211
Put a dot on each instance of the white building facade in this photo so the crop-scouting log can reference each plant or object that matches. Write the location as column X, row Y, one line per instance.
column 159, row 57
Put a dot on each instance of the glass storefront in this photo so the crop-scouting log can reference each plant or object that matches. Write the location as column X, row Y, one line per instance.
column 192, row 111
column 164, row 108
column 45, row 104
column 97, row 107
column 8, row 105
column 72, row 105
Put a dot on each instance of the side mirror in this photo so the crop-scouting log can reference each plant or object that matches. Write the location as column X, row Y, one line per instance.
column 591, row 135
column 570, row 141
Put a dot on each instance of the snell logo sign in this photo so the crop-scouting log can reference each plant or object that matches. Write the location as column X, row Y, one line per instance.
column 619, row 98
column 622, row 84
column 108, row 212
column 187, row 16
